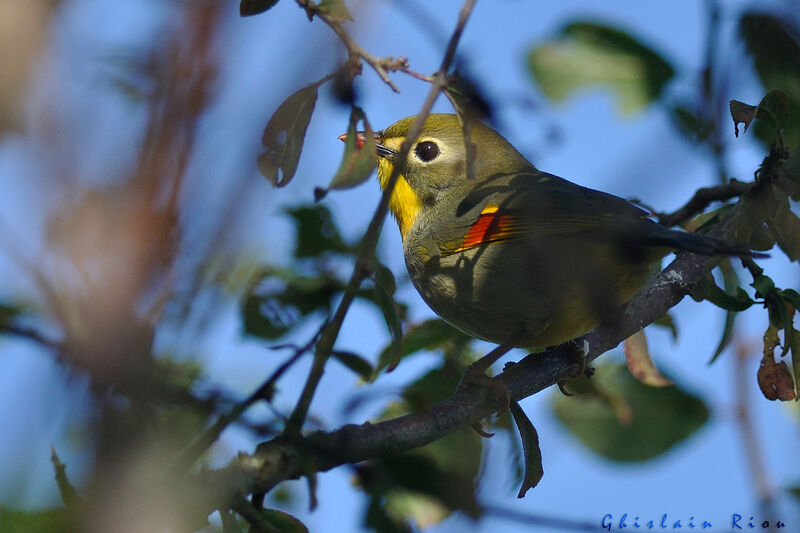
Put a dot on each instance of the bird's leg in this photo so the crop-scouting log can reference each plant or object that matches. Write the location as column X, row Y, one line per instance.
column 475, row 375
column 578, row 368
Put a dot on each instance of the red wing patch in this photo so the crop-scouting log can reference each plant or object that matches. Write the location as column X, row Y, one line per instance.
column 491, row 226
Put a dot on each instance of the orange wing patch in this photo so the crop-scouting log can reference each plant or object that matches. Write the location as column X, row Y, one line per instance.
column 491, row 226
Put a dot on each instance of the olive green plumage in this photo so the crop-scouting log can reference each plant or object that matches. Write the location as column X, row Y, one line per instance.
column 517, row 252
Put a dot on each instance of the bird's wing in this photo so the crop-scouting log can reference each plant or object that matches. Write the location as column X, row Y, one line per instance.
column 532, row 205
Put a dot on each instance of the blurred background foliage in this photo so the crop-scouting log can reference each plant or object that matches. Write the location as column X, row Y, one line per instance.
column 138, row 237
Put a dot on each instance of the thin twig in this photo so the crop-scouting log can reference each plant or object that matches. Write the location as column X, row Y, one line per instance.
column 531, row 519
column 209, row 436
column 381, row 65
column 418, row 76
column 31, row 334
column 330, row 330
column 746, row 425
column 67, row 491
column 702, row 198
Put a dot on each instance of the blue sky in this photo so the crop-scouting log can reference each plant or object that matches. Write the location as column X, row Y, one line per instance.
column 267, row 57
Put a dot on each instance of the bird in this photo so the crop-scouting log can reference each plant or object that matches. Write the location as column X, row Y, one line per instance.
column 509, row 254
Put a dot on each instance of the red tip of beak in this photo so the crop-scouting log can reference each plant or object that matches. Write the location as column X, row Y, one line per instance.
column 360, row 139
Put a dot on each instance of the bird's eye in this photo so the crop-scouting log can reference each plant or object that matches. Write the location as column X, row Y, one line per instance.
column 427, row 151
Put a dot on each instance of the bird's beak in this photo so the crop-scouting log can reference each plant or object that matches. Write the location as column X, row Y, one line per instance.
column 361, row 139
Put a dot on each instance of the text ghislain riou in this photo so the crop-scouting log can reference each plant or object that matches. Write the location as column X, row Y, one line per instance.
column 737, row 522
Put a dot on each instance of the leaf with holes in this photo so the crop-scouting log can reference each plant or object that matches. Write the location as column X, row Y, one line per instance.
column 774, row 379
column 284, row 136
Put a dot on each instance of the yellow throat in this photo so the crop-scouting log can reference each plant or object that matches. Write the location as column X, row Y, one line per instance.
column 404, row 203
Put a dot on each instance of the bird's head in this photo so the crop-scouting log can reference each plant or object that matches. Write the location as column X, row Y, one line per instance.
column 436, row 166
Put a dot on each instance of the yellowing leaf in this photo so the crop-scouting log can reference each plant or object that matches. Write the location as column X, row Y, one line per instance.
column 640, row 364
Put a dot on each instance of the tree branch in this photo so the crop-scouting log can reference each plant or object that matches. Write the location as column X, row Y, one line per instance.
column 290, row 456
column 381, row 65
column 702, row 198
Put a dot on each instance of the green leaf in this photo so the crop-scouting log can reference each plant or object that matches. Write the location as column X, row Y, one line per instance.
column 379, row 519
column 588, row 54
column 283, row 522
column 384, row 292
column 429, row 335
column 395, row 476
column 284, row 135
column 772, row 43
column 791, row 296
column 661, row 417
column 46, row 521
column 731, row 280
column 316, row 232
column 434, row 386
column 794, row 491
column 335, row 10
column 727, row 335
column 279, row 299
column 668, row 321
column 530, row 447
column 360, row 156
column 773, row 110
column 707, row 289
column 254, row 7
column 785, row 227
column 764, row 286
column 690, row 123
column 8, row 313
column 467, row 97
column 354, row 362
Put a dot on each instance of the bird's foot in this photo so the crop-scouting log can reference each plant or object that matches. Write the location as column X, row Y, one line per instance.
column 475, row 376
column 578, row 366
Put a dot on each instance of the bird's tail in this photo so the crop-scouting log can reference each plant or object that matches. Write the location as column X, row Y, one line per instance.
column 699, row 244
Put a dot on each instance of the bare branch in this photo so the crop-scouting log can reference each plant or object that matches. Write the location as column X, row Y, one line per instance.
column 702, row 198
column 381, row 65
